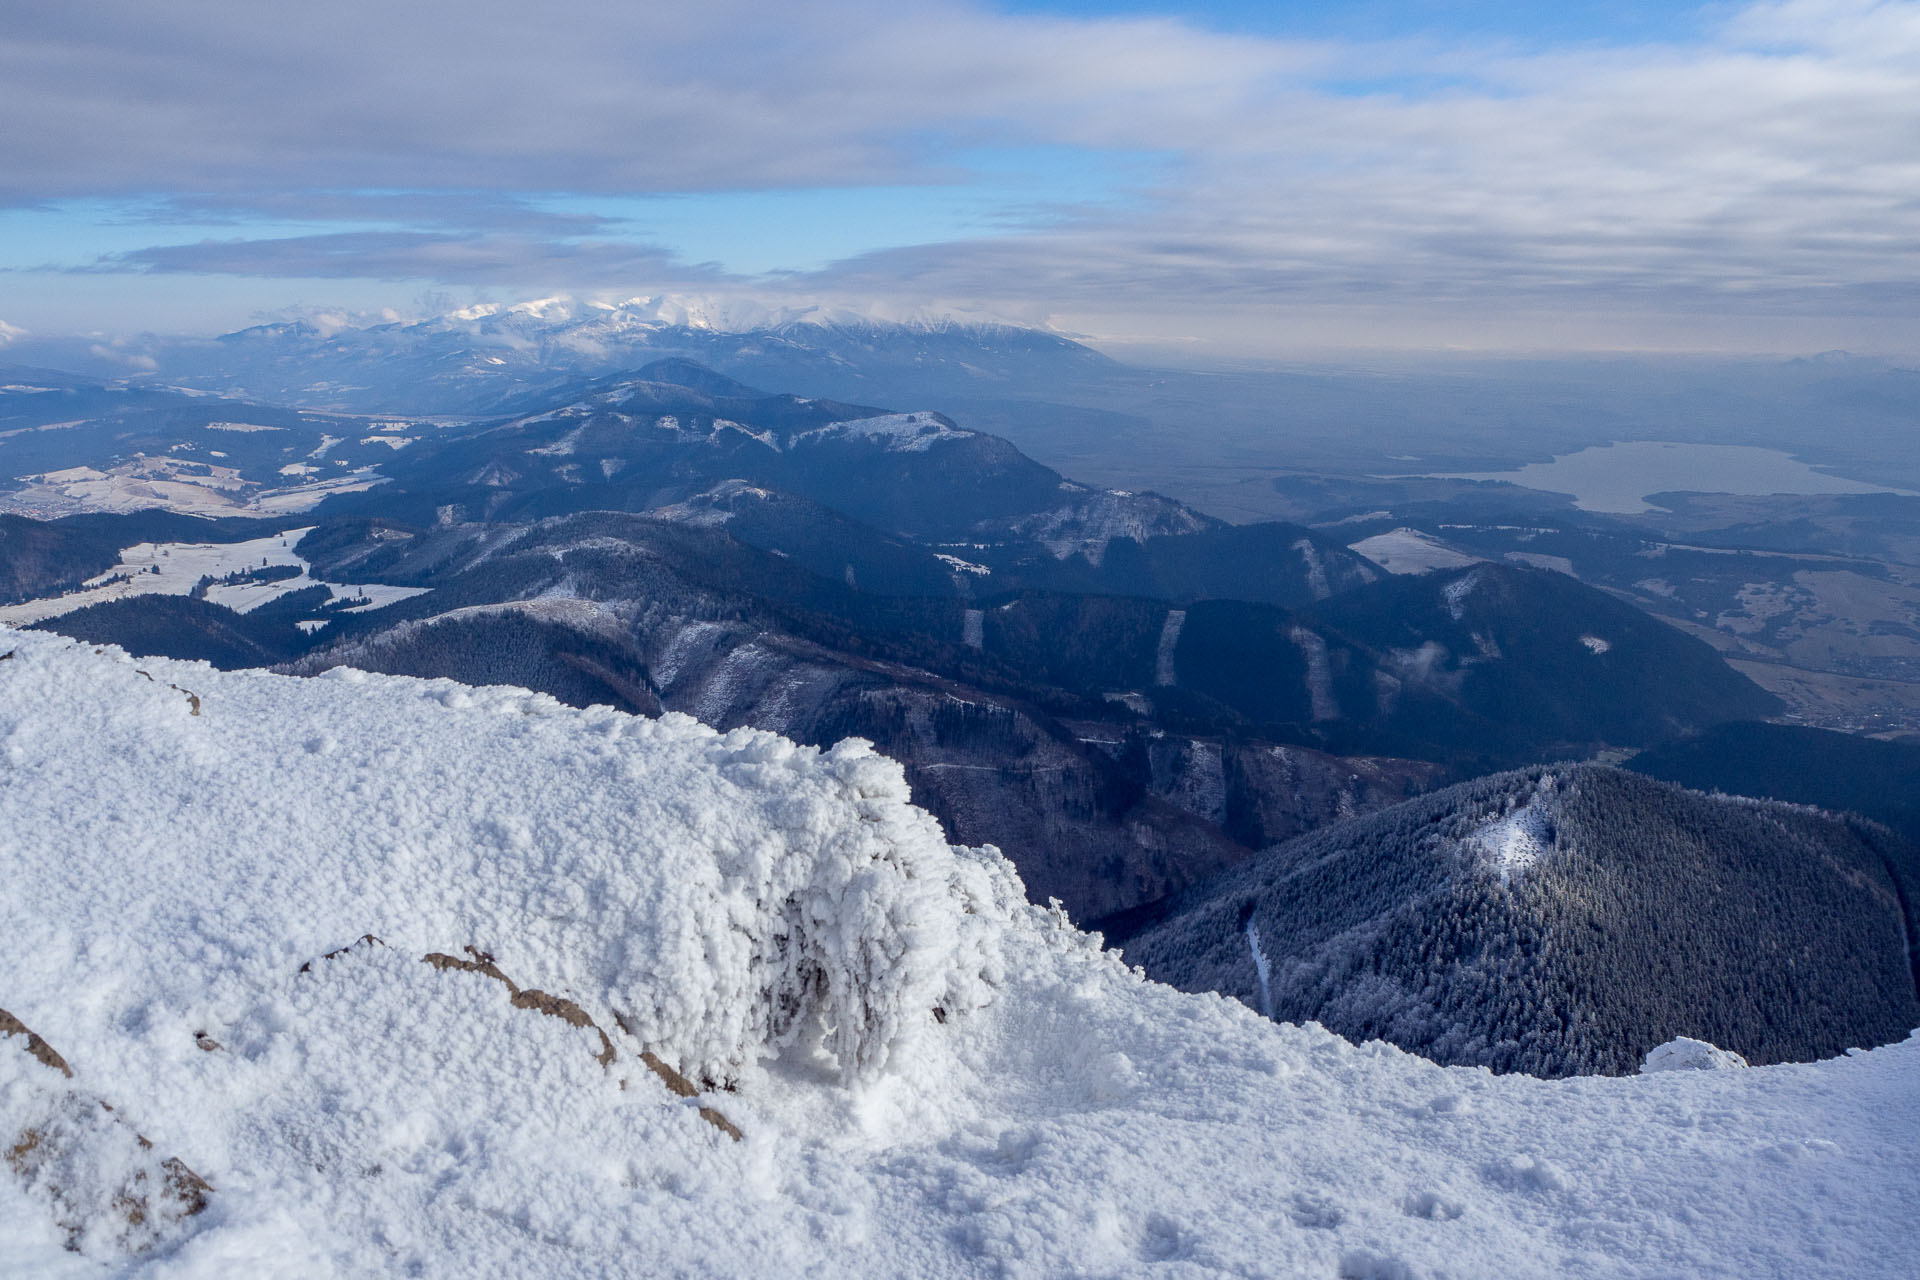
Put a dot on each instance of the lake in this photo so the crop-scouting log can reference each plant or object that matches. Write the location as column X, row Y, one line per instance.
column 1618, row 477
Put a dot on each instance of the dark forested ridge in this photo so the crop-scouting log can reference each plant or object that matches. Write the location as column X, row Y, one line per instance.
column 1561, row 921
column 1799, row 764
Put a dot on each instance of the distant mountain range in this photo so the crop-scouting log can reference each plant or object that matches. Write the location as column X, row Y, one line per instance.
column 492, row 359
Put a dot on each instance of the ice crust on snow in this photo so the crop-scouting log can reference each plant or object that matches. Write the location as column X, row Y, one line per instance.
column 988, row 1094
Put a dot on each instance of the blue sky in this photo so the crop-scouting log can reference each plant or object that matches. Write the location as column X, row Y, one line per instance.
column 1251, row 176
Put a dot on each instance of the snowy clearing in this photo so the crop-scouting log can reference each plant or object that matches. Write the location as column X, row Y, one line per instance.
column 1518, row 840
column 896, row 432
column 931, row 1077
column 174, row 484
column 958, row 565
column 1410, row 551
column 175, row 568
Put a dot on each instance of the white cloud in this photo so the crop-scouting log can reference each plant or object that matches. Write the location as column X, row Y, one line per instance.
column 1768, row 172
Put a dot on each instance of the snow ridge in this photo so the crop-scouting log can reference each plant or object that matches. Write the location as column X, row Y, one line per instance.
column 219, row 921
column 745, row 887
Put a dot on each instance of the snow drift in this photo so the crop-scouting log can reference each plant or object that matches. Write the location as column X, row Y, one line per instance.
column 710, row 893
column 219, row 890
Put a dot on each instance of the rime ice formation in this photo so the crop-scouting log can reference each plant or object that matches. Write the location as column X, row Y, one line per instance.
column 1683, row 1053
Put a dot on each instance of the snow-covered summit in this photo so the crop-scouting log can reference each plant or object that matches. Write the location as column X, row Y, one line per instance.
column 369, row 971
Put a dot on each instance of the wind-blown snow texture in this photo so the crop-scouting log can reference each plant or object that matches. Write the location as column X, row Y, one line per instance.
column 970, row 1087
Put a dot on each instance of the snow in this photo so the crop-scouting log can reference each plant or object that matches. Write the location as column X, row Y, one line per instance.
column 973, row 629
column 1558, row 564
column 166, row 875
column 1319, row 675
column 188, row 487
column 175, row 568
column 1261, row 969
column 1518, row 840
column 1086, row 525
column 1596, row 644
column 899, row 432
column 1163, row 664
column 958, row 565
column 44, row 426
column 1316, row 571
column 1410, row 551
column 1684, row 1053
column 1455, row 593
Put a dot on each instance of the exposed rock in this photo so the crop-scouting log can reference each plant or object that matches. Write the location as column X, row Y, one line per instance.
column 106, row 1188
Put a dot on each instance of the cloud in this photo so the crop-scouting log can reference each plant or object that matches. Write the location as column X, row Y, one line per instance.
column 208, row 96
column 463, row 210
column 116, row 355
column 1769, row 169
column 412, row 255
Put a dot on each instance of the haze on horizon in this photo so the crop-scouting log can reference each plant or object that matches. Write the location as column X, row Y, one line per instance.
column 1233, row 178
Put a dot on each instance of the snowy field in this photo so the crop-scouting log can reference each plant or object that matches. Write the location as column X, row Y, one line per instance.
column 174, row 568
column 930, row 1077
column 1410, row 551
column 183, row 485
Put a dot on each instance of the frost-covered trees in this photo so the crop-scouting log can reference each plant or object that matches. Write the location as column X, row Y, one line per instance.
column 1565, row 920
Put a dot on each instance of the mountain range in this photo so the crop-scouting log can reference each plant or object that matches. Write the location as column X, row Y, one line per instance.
column 491, row 358
column 1125, row 694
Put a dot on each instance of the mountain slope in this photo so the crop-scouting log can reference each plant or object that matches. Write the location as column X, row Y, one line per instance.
column 47, row 557
column 1563, row 920
column 675, row 429
column 1539, row 661
column 70, row 444
column 294, row 1092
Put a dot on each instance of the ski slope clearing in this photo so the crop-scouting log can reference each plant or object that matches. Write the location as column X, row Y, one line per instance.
column 223, row 890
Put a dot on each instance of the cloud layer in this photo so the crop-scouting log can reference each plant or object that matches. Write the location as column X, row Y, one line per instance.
column 1772, row 171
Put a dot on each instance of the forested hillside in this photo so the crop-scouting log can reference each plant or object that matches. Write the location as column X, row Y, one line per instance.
column 1564, row 920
